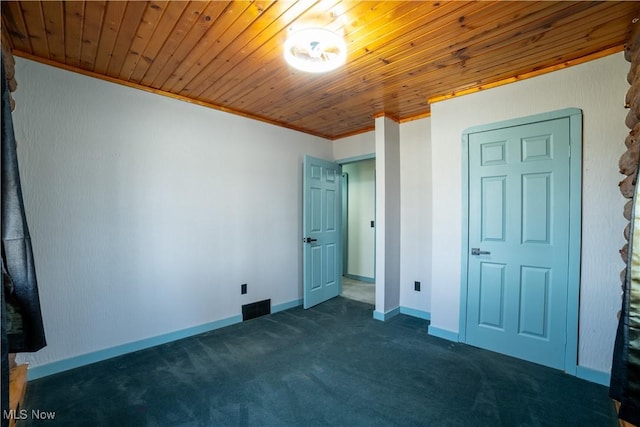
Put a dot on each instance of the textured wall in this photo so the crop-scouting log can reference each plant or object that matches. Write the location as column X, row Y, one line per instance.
column 387, row 214
column 148, row 213
column 416, row 201
column 598, row 88
column 358, row 145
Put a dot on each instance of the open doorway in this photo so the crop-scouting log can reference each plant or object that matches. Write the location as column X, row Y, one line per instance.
column 358, row 233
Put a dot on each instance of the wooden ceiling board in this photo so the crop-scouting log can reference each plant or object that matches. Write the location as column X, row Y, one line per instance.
column 71, row 32
column 491, row 60
column 334, row 96
column 262, row 67
column 359, row 54
column 226, row 34
column 388, row 78
column 36, row 30
column 13, row 20
column 272, row 48
column 247, row 45
column 149, row 21
column 535, row 48
column 373, row 77
column 172, row 12
column 535, row 33
column 401, row 54
column 249, row 57
column 453, row 47
column 53, row 13
column 129, row 27
column 452, row 43
column 198, row 31
column 528, row 46
column 163, row 59
column 91, row 32
column 108, row 34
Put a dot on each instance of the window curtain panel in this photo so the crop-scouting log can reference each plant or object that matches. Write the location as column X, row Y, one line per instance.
column 625, row 369
column 4, row 384
column 22, row 326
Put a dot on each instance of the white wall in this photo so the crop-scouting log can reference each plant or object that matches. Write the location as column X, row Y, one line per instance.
column 358, row 145
column 147, row 213
column 387, row 136
column 361, row 211
column 598, row 88
column 416, row 201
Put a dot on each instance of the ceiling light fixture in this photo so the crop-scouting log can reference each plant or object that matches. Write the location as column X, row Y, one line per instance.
column 315, row 50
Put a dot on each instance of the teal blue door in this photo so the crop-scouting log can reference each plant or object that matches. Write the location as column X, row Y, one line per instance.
column 322, row 264
column 518, row 240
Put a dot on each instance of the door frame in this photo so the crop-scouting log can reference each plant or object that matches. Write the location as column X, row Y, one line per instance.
column 575, row 223
column 345, row 228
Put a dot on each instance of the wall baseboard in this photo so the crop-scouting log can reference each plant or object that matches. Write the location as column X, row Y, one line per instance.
column 443, row 333
column 425, row 315
column 119, row 350
column 594, row 376
column 378, row 315
column 286, row 305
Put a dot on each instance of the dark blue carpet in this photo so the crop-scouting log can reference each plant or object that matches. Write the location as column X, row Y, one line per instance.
column 332, row 365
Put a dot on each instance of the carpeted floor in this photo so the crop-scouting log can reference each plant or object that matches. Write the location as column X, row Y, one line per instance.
column 332, row 365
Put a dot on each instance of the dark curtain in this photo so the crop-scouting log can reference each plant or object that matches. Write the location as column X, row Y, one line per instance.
column 625, row 369
column 22, row 329
column 4, row 386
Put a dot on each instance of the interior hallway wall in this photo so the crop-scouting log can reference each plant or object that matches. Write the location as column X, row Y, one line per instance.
column 361, row 211
column 148, row 213
column 598, row 88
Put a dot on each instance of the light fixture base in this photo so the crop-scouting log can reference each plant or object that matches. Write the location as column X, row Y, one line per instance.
column 315, row 50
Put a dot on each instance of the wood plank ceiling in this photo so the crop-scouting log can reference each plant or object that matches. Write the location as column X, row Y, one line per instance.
column 401, row 55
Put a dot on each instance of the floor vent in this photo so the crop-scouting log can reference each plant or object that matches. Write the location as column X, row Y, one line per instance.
column 256, row 309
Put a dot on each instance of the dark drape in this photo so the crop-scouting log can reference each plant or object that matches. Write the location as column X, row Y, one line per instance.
column 24, row 327
column 21, row 309
column 625, row 369
column 4, row 385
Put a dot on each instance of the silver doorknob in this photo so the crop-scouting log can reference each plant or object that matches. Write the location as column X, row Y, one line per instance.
column 477, row 251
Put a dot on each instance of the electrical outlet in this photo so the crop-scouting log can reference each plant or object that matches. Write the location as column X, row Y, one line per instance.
column 416, row 286
column 243, row 288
